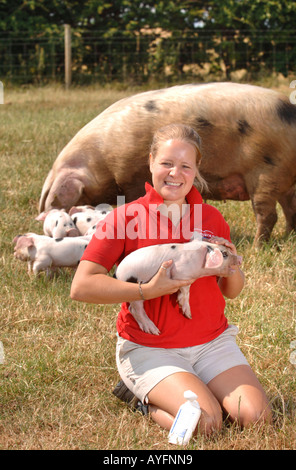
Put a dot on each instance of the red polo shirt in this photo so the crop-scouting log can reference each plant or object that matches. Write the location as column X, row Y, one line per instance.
column 140, row 223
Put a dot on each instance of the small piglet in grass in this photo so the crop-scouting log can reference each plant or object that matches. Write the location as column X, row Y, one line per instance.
column 86, row 217
column 57, row 223
column 44, row 253
column 191, row 260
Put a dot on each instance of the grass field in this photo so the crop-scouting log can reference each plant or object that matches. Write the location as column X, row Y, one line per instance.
column 59, row 369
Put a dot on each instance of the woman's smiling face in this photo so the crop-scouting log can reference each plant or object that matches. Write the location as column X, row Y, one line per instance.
column 173, row 170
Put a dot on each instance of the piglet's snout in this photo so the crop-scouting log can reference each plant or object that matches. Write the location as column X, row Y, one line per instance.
column 234, row 260
column 73, row 232
column 230, row 260
column 239, row 260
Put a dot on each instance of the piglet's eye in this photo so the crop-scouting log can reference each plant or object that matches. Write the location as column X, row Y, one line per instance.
column 225, row 254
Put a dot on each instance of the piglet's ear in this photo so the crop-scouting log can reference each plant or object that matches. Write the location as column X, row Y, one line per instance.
column 214, row 259
column 24, row 242
column 41, row 216
column 16, row 239
column 74, row 210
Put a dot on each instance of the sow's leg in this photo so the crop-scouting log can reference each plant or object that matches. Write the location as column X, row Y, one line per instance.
column 288, row 203
column 266, row 217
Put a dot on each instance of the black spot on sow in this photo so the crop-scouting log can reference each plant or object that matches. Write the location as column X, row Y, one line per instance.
column 286, row 112
column 267, row 159
column 244, row 127
column 151, row 106
column 203, row 123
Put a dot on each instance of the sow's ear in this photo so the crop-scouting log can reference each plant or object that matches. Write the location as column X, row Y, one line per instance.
column 214, row 259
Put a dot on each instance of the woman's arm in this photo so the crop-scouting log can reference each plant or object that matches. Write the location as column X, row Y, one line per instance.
column 232, row 285
column 91, row 284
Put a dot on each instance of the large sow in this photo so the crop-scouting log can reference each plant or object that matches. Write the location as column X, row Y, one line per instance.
column 248, row 146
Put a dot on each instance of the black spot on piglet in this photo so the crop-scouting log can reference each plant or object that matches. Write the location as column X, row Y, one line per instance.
column 132, row 279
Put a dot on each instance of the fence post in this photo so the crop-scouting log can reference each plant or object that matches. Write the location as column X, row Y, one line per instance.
column 1, row 93
column 68, row 64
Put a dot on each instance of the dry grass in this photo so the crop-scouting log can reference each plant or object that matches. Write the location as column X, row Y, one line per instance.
column 59, row 370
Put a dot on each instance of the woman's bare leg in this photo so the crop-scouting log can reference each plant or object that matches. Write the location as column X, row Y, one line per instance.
column 241, row 395
column 237, row 391
column 168, row 395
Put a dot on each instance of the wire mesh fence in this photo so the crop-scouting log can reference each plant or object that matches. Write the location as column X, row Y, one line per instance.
column 141, row 57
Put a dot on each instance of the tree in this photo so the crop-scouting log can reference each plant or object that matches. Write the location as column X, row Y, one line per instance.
column 252, row 32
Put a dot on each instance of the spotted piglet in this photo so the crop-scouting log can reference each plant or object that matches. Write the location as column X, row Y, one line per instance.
column 57, row 223
column 191, row 260
column 44, row 253
column 86, row 217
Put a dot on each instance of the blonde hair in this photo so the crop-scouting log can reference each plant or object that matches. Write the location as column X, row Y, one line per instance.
column 184, row 133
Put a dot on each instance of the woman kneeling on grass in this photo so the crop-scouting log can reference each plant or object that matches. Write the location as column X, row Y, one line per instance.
column 199, row 354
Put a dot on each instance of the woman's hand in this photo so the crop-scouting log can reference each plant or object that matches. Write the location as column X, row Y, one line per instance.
column 231, row 284
column 162, row 284
column 225, row 242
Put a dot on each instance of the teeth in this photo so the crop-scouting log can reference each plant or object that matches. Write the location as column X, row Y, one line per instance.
column 169, row 183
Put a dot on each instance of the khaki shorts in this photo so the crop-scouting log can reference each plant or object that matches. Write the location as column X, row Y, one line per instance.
column 142, row 368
